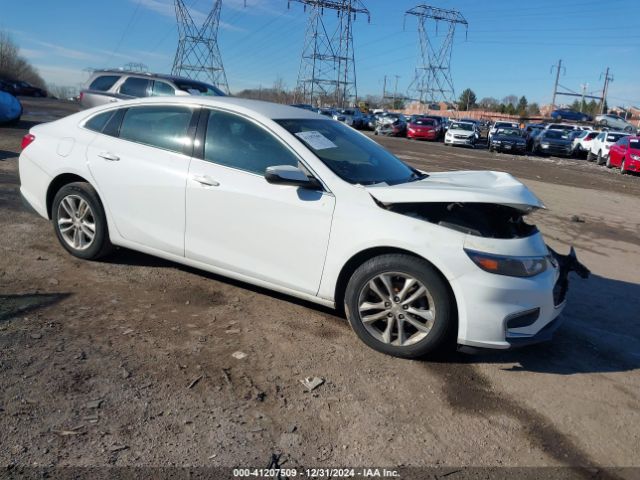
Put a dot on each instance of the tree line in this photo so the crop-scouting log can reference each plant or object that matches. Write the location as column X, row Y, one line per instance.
column 14, row 66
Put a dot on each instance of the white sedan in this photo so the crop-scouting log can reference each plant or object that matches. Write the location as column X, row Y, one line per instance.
column 293, row 201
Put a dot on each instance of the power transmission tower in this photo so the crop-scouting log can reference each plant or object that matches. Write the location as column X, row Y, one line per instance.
column 432, row 81
column 198, row 56
column 327, row 68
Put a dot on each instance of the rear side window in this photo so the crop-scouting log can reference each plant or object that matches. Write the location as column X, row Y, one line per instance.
column 104, row 82
column 162, row 89
column 135, row 87
column 98, row 122
column 164, row 127
column 236, row 142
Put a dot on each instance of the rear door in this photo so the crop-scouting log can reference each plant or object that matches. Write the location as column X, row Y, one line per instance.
column 141, row 173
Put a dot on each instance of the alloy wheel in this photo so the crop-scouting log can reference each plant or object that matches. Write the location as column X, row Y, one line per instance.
column 396, row 309
column 76, row 222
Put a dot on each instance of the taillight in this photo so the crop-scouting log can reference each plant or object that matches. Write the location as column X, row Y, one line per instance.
column 27, row 140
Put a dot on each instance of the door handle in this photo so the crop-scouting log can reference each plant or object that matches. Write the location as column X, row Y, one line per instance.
column 205, row 180
column 109, row 156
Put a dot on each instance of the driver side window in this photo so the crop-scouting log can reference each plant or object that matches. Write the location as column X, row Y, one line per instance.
column 234, row 141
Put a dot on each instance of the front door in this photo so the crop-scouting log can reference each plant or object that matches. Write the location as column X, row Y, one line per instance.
column 239, row 222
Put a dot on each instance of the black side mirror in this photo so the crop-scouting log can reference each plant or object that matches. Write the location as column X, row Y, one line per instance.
column 290, row 175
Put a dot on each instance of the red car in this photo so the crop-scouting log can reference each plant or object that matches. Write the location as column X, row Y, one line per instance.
column 625, row 154
column 424, row 128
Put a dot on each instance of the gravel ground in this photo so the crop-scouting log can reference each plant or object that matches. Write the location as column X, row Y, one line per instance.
column 130, row 361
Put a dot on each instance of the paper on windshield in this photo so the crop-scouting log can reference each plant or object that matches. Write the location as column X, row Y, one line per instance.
column 316, row 140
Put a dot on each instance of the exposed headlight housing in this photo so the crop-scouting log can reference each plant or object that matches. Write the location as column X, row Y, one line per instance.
column 508, row 265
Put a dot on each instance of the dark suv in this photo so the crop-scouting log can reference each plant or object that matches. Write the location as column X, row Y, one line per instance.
column 107, row 86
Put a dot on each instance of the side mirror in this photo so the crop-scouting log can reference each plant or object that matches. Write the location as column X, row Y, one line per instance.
column 290, row 175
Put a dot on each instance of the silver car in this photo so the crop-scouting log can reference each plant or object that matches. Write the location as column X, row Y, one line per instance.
column 107, row 86
column 614, row 122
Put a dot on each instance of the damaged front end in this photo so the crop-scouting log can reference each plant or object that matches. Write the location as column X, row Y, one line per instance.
column 480, row 219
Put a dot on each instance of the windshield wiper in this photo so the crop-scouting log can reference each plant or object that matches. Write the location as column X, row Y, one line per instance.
column 415, row 176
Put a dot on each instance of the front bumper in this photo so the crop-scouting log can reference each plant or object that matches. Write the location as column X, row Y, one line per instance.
column 564, row 151
column 510, row 148
column 460, row 141
column 508, row 312
column 427, row 135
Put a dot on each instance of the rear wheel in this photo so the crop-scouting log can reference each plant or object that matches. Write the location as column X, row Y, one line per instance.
column 590, row 156
column 399, row 305
column 599, row 159
column 608, row 162
column 79, row 221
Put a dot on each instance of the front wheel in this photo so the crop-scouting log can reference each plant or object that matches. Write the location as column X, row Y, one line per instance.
column 623, row 167
column 599, row 159
column 399, row 305
column 79, row 221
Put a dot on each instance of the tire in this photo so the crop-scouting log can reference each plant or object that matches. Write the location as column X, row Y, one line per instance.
column 599, row 159
column 72, row 221
column 623, row 170
column 590, row 156
column 434, row 308
column 607, row 163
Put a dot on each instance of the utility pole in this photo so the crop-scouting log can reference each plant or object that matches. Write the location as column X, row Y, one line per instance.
column 198, row 56
column 555, row 86
column 584, row 87
column 432, row 81
column 384, row 88
column 395, row 91
column 327, row 66
column 607, row 79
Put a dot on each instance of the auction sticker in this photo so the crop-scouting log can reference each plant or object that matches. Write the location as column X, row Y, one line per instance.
column 316, row 140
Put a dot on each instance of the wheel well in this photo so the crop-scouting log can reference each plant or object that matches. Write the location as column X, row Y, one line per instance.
column 359, row 258
column 59, row 182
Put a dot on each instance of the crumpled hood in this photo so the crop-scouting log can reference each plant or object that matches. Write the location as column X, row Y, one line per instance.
column 464, row 187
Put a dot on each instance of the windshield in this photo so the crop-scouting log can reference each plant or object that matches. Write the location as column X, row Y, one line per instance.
column 561, row 134
column 614, row 137
column 198, row 88
column 349, row 154
column 634, row 143
column 510, row 132
column 461, row 126
column 424, row 121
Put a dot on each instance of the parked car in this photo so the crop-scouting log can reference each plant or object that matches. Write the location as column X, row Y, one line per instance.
column 566, row 114
column 508, row 140
column 25, row 89
column 461, row 133
column 391, row 125
column 108, row 86
column 552, row 142
column 530, row 131
column 615, row 122
column 625, row 154
column 7, row 86
column 600, row 145
column 424, row 128
column 304, row 106
column 350, row 116
column 10, row 109
column 582, row 143
column 500, row 124
column 414, row 258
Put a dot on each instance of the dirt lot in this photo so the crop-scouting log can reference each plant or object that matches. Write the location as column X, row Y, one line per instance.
column 129, row 361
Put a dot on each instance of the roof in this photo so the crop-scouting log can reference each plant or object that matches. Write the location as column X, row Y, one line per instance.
column 270, row 110
column 164, row 76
